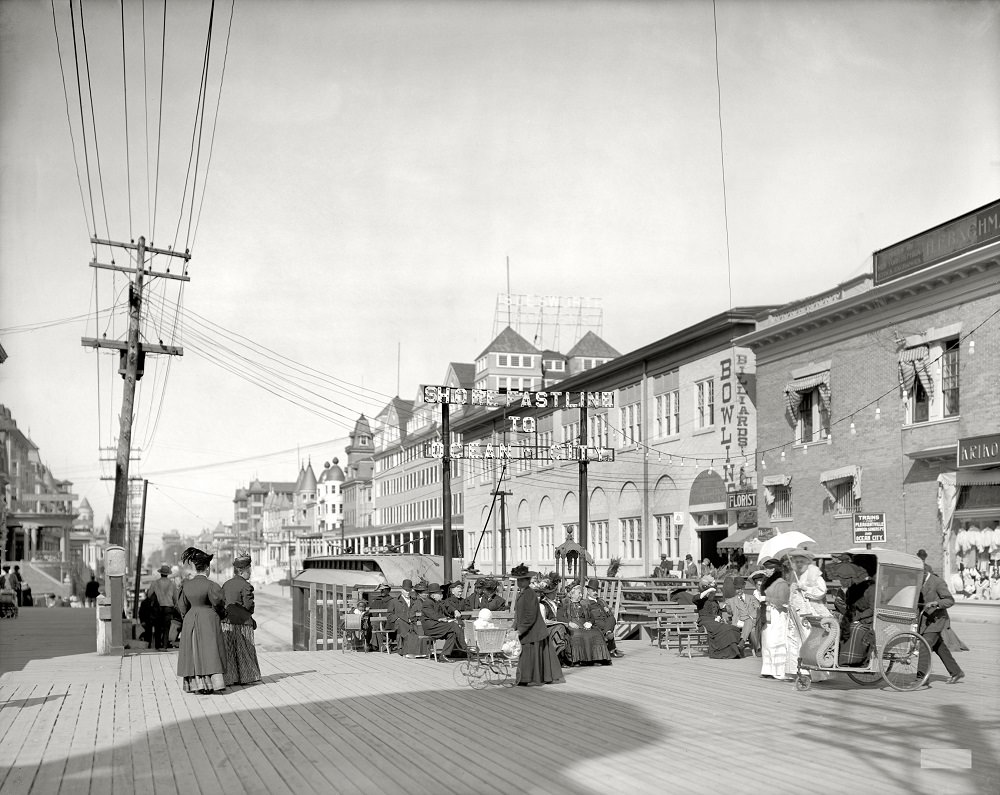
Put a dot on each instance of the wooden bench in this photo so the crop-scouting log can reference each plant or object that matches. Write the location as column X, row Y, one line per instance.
column 680, row 622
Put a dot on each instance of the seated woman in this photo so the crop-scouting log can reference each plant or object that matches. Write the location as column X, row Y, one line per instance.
column 586, row 642
column 724, row 640
column 558, row 631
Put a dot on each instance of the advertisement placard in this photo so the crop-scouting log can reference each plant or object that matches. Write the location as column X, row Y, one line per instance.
column 869, row 528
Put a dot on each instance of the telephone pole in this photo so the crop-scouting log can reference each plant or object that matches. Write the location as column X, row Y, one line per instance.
column 584, row 495
column 503, row 495
column 132, row 355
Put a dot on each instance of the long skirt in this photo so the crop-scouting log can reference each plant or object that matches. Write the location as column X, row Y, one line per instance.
column 199, row 661
column 538, row 664
column 724, row 640
column 408, row 639
column 774, row 643
column 240, row 666
column 587, row 645
column 558, row 637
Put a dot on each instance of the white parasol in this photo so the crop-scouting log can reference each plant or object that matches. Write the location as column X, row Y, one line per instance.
column 781, row 543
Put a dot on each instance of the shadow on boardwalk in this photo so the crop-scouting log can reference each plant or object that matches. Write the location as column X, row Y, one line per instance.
column 880, row 740
column 450, row 741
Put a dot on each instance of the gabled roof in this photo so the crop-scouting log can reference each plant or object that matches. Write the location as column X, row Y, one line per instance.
column 550, row 355
column 402, row 408
column 509, row 341
column 465, row 374
column 592, row 345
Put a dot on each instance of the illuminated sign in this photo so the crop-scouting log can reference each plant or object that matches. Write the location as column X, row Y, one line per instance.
column 979, row 451
column 971, row 230
column 869, row 528
column 519, row 452
column 494, row 398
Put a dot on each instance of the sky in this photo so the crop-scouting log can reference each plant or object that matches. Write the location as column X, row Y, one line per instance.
column 366, row 171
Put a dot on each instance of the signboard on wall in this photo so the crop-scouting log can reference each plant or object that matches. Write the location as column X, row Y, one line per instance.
column 920, row 251
column 741, row 500
column 979, row 451
column 869, row 528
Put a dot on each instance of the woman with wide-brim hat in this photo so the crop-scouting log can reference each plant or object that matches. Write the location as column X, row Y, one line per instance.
column 201, row 605
column 538, row 663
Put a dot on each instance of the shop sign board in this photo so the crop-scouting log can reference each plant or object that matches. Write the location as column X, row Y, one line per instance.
column 741, row 500
column 765, row 533
column 869, row 528
column 920, row 251
column 979, row 451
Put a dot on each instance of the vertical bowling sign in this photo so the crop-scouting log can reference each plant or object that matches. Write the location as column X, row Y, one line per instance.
column 734, row 415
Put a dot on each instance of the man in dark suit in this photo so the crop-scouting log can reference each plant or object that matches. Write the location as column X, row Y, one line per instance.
column 437, row 624
column 742, row 608
column 935, row 599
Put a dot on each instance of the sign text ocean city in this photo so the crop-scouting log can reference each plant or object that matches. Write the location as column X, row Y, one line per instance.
column 520, row 452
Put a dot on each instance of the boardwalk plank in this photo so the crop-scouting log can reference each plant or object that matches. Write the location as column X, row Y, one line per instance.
column 330, row 722
column 76, row 777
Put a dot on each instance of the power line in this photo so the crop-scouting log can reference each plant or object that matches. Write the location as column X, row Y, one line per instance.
column 69, row 121
column 215, row 121
column 159, row 121
column 93, row 117
column 128, row 165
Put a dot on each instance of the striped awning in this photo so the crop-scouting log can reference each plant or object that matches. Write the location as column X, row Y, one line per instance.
column 795, row 390
column 978, row 477
column 769, row 484
column 913, row 365
column 832, row 477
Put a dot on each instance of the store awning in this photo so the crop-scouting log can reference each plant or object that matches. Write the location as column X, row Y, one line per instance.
column 978, row 477
column 738, row 539
column 913, row 366
column 797, row 389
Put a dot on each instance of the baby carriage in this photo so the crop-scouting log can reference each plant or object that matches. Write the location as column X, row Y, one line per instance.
column 8, row 603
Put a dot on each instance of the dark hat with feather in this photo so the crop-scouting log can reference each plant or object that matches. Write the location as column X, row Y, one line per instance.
column 196, row 557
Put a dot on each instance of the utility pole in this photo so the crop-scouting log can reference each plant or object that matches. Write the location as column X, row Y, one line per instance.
column 132, row 354
column 584, row 494
column 503, row 495
column 138, row 557
column 446, row 550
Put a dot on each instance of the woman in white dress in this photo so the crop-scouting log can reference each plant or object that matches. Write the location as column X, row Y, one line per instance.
column 807, row 597
column 772, row 593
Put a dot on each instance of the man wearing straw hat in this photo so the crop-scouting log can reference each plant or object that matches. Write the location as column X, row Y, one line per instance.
column 166, row 595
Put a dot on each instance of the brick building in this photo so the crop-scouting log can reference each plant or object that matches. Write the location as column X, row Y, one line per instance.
column 683, row 433
column 868, row 393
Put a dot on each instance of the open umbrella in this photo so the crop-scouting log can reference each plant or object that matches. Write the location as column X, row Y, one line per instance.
column 781, row 543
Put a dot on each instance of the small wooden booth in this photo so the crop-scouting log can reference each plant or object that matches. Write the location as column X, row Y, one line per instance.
column 328, row 587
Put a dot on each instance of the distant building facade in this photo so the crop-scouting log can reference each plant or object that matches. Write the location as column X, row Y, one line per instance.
column 682, row 430
column 39, row 507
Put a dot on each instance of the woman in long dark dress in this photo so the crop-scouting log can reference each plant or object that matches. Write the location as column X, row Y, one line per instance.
column 586, row 641
column 725, row 642
column 201, row 605
column 240, row 661
column 538, row 663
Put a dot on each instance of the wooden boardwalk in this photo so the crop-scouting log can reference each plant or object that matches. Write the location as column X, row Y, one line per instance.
column 332, row 722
